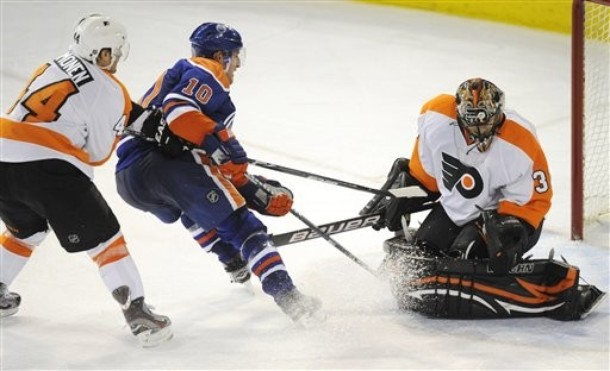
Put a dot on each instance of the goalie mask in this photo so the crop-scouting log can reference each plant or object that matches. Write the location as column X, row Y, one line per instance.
column 96, row 32
column 480, row 106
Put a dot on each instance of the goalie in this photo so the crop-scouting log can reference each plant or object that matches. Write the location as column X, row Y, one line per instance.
column 487, row 173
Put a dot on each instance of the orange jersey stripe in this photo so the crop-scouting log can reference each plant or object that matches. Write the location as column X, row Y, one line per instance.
column 37, row 73
column 226, row 183
column 117, row 250
column 444, row 104
column 30, row 133
column 145, row 101
column 15, row 246
column 416, row 169
column 215, row 68
column 126, row 97
column 535, row 210
column 192, row 126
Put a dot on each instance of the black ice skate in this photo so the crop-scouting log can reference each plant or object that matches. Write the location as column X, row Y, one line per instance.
column 238, row 270
column 589, row 298
column 9, row 301
column 302, row 309
column 151, row 329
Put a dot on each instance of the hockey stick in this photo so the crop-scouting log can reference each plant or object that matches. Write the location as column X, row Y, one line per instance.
column 412, row 191
column 334, row 243
column 340, row 226
column 323, row 234
column 394, row 172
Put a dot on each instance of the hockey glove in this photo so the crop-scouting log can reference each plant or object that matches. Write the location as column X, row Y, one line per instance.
column 144, row 122
column 266, row 196
column 152, row 127
column 506, row 238
column 226, row 152
column 394, row 210
column 222, row 147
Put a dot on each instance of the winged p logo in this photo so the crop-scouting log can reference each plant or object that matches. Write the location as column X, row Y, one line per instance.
column 465, row 179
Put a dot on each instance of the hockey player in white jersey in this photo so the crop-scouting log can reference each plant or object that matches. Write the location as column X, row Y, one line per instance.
column 486, row 170
column 67, row 120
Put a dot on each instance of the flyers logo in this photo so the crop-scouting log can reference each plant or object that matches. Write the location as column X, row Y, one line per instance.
column 465, row 179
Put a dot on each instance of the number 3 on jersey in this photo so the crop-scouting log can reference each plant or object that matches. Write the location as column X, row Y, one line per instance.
column 542, row 183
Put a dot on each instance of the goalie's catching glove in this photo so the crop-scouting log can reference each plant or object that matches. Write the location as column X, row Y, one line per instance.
column 266, row 196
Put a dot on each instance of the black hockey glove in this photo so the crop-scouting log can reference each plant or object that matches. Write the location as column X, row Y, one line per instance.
column 152, row 127
column 266, row 196
column 395, row 210
column 143, row 122
column 507, row 239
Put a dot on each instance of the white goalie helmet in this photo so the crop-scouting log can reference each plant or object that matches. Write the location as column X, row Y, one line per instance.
column 96, row 32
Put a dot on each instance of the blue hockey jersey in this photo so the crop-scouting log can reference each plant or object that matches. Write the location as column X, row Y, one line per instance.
column 194, row 96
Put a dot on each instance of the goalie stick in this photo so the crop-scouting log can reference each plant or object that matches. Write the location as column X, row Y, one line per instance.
column 412, row 191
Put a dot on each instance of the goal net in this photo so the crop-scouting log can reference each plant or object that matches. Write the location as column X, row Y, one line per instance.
column 590, row 112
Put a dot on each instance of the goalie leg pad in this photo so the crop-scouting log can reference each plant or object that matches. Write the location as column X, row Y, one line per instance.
column 466, row 289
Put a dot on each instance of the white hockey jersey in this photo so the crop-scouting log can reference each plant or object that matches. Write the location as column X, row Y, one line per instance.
column 71, row 110
column 512, row 175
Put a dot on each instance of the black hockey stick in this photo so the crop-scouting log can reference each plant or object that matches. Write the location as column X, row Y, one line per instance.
column 334, row 243
column 398, row 192
column 340, row 226
column 323, row 234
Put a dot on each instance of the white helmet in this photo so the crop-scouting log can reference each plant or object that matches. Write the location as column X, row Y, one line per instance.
column 96, row 32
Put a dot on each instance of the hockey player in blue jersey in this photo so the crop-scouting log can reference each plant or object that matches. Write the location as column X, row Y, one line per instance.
column 192, row 167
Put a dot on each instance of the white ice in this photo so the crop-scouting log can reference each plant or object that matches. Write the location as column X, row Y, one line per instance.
column 330, row 87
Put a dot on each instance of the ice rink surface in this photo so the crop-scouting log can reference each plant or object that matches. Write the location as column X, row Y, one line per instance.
column 330, row 87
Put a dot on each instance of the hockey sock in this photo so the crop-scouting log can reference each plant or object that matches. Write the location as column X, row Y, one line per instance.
column 15, row 253
column 117, row 268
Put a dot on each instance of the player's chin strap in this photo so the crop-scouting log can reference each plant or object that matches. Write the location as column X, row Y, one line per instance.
column 323, row 234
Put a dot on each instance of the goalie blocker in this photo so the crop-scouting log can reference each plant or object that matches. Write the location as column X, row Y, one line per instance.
column 466, row 289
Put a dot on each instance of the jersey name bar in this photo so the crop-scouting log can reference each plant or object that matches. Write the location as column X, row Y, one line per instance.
column 74, row 68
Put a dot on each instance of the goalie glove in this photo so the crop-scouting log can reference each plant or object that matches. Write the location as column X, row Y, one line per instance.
column 396, row 211
column 506, row 237
column 266, row 196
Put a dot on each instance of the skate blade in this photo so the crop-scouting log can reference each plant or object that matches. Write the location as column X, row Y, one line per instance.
column 594, row 305
column 312, row 320
column 8, row 312
column 150, row 339
column 248, row 287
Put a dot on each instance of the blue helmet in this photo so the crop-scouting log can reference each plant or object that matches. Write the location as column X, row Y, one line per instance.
column 211, row 37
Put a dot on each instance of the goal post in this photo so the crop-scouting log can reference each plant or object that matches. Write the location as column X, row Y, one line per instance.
column 590, row 112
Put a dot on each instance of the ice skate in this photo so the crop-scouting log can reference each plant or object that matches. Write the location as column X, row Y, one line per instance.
column 590, row 297
column 9, row 301
column 238, row 271
column 151, row 329
column 302, row 309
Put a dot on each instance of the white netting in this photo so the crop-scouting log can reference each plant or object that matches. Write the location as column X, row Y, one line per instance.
column 596, row 110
